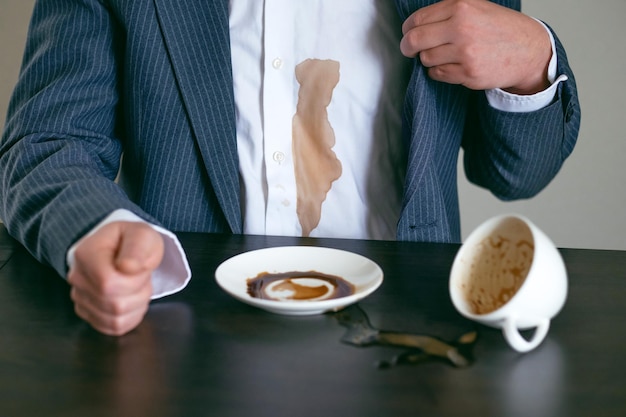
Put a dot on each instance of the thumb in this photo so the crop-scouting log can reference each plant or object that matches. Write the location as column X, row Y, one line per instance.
column 140, row 249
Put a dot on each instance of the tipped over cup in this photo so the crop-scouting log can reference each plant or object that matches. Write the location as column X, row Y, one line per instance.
column 508, row 274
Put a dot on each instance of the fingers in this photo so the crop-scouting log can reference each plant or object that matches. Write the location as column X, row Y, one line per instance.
column 442, row 55
column 111, row 276
column 479, row 44
column 425, row 37
column 426, row 28
column 434, row 13
column 112, row 317
column 451, row 65
column 451, row 74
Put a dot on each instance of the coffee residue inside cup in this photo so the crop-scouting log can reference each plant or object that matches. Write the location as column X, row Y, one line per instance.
column 498, row 270
column 299, row 286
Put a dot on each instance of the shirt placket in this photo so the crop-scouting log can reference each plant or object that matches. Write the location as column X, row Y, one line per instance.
column 278, row 110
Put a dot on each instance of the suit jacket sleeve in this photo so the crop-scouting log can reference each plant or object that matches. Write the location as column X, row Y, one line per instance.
column 59, row 154
column 515, row 155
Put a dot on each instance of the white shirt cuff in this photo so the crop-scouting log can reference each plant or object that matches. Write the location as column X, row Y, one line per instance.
column 171, row 276
column 504, row 101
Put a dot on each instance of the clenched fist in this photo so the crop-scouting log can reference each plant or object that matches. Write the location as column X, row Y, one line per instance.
column 111, row 275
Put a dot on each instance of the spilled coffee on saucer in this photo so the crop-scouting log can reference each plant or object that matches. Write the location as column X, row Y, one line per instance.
column 500, row 264
column 299, row 286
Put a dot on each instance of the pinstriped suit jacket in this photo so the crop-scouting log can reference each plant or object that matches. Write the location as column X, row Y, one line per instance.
column 152, row 79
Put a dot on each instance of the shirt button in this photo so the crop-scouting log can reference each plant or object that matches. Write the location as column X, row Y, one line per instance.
column 277, row 63
column 278, row 156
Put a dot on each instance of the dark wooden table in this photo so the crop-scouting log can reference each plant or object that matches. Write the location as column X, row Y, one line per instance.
column 202, row 353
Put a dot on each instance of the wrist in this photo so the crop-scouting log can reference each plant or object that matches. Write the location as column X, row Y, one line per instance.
column 530, row 87
column 541, row 65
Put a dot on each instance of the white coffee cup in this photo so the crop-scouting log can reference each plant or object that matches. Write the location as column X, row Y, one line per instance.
column 508, row 274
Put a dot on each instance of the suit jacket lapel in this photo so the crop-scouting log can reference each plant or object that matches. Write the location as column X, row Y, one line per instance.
column 431, row 110
column 418, row 118
column 197, row 38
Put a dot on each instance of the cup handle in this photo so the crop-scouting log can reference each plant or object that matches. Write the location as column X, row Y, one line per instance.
column 515, row 339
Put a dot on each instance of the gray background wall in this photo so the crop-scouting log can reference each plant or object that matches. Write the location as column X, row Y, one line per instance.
column 584, row 207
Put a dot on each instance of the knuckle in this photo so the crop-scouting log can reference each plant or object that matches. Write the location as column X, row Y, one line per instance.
column 143, row 232
column 472, row 72
column 117, row 307
column 82, row 250
column 425, row 58
column 471, row 66
column 417, row 19
column 436, row 73
column 111, row 325
column 80, row 311
column 140, row 229
column 74, row 295
column 119, row 326
column 106, row 287
column 462, row 6
column 72, row 276
column 102, row 286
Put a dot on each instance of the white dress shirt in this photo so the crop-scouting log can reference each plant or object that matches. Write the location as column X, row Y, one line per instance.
column 269, row 38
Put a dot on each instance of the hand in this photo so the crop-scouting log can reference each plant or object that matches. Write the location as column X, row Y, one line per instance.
column 111, row 276
column 480, row 45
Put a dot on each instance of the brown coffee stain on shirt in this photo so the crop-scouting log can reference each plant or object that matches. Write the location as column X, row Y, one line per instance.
column 315, row 164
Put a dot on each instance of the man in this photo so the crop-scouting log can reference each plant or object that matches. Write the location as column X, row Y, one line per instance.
column 224, row 131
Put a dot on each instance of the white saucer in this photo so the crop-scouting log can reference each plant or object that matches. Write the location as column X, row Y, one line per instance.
column 365, row 275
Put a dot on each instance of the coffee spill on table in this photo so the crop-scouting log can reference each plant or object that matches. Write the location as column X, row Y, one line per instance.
column 293, row 284
column 421, row 347
column 315, row 164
